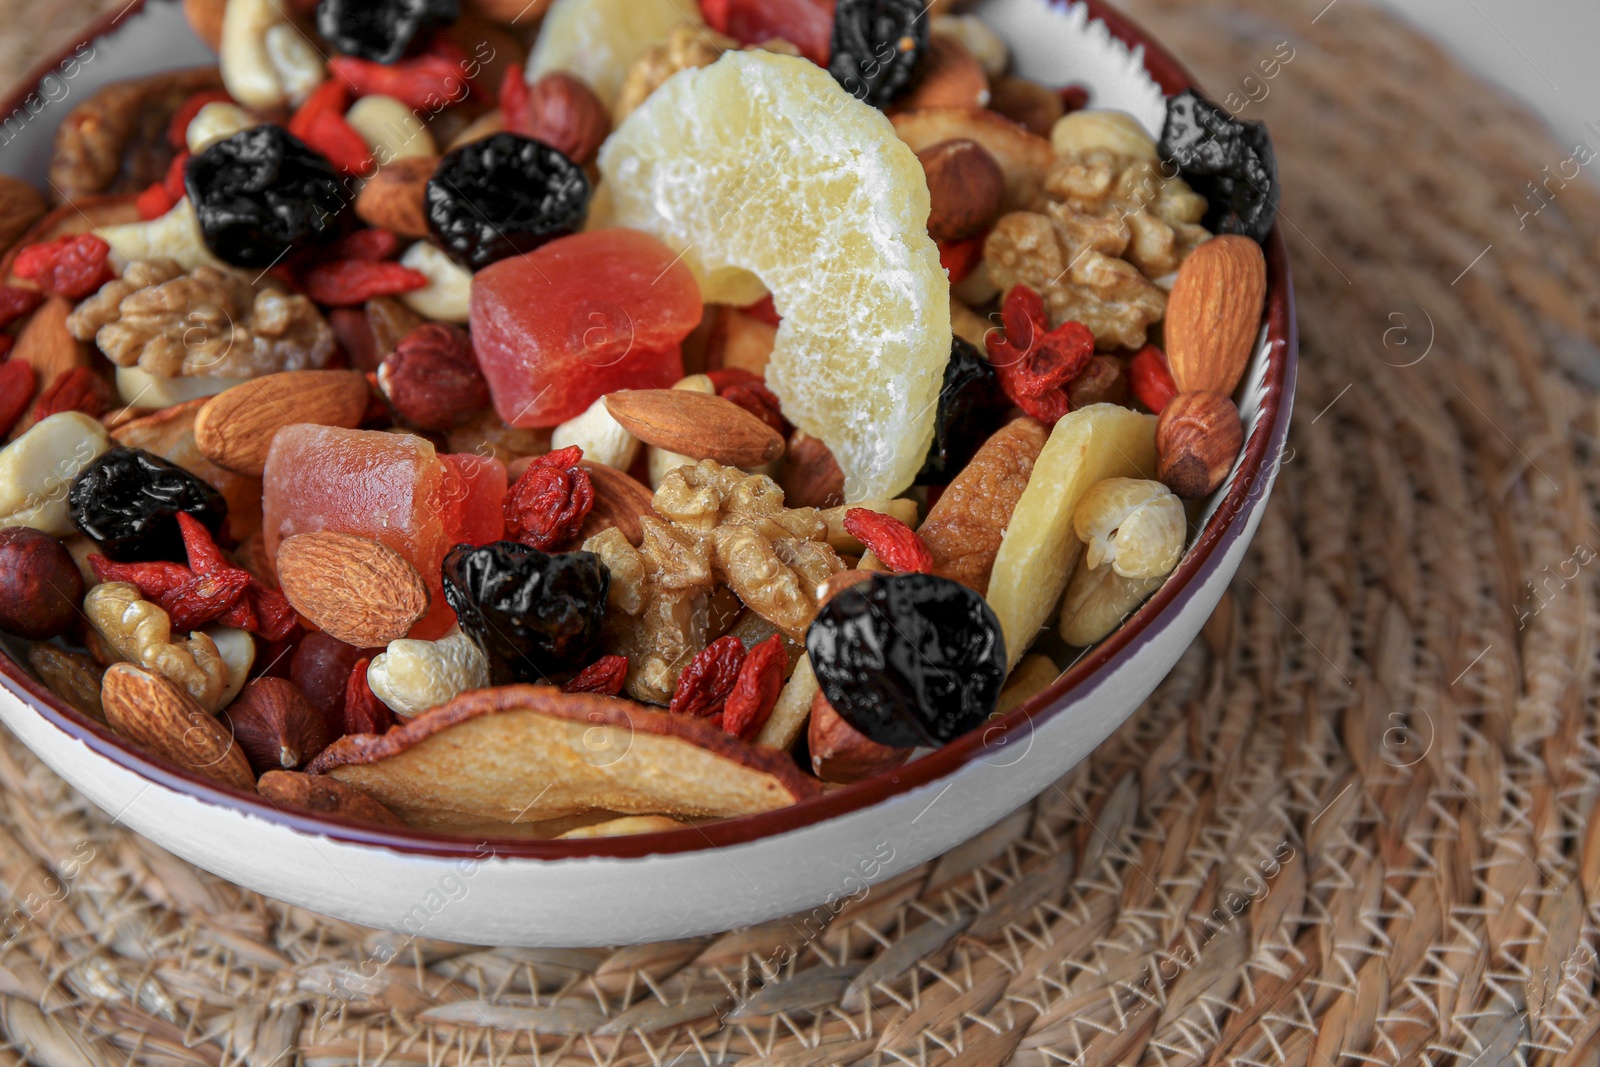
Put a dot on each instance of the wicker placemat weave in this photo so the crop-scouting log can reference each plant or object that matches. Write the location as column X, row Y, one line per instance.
column 1354, row 825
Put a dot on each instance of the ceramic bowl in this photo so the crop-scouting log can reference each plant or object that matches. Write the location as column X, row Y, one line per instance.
column 745, row 870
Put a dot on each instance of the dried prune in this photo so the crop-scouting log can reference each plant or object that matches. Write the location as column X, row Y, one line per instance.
column 381, row 30
column 262, row 192
column 502, row 196
column 1227, row 161
column 971, row 406
column 535, row 614
column 128, row 502
column 908, row 659
column 876, row 45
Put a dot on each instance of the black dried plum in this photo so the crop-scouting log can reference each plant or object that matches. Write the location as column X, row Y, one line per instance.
column 536, row 614
column 876, row 45
column 971, row 406
column 381, row 30
column 128, row 500
column 908, row 659
column 1227, row 161
column 262, row 192
column 502, row 196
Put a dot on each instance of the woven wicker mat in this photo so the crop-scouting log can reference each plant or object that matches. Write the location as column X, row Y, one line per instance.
column 1354, row 824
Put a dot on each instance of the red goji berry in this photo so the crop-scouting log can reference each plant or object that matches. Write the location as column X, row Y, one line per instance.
column 153, row 202
column 6, row 341
column 348, row 282
column 77, row 389
column 759, row 401
column 364, row 713
column 329, row 134
column 707, row 680
column 15, row 302
column 1033, row 362
column 756, row 690
column 72, row 266
column 727, row 376
column 205, row 598
column 547, row 505
column 1059, row 357
column 604, row 676
column 173, row 182
column 330, row 97
column 764, row 310
column 896, row 545
column 515, row 101
column 961, row 258
column 425, row 83
column 154, row 579
column 178, row 127
column 17, row 382
column 1151, row 378
column 372, row 245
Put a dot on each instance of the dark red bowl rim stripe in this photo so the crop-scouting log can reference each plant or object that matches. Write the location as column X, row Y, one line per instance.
column 1226, row 526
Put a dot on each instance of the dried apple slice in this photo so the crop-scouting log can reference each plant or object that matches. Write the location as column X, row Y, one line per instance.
column 770, row 177
column 525, row 753
column 1038, row 551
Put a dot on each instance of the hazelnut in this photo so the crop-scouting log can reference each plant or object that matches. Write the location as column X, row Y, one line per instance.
column 431, row 378
column 811, row 476
column 1198, row 437
column 40, row 587
column 321, row 670
column 565, row 113
column 1027, row 103
column 276, row 726
column 966, row 187
column 841, row 753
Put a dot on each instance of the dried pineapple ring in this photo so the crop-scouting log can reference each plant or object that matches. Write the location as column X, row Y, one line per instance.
column 598, row 40
column 761, row 167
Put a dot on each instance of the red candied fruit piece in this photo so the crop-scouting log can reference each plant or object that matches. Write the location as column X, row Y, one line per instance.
column 806, row 24
column 586, row 315
column 393, row 488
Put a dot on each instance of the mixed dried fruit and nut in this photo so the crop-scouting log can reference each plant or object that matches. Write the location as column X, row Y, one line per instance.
column 666, row 422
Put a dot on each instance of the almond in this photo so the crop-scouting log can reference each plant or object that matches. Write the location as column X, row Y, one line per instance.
column 619, row 501
column 392, row 198
column 155, row 714
column 948, row 75
column 565, row 114
column 965, row 187
column 697, row 425
column 21, row 206
column 841, row 753
column 276, row 726
column 235, row 428
column 47, row 346
column 363, row 593
column 325, row 796
column 205, row 19
column 1214, row 314
column 1027, row 103
column 1197, row 439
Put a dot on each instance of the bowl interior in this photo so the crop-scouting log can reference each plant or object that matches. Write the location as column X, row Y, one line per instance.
column 1056, row 42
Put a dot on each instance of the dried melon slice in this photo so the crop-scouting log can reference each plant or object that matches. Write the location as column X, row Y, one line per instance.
column 1039, row 549
column 770, row 177
column 598, row 40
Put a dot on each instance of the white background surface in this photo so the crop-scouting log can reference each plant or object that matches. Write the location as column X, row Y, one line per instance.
column 1545, row 51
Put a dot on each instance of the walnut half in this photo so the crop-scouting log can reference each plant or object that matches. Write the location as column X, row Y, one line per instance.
column 141, row 633
column 209, row 322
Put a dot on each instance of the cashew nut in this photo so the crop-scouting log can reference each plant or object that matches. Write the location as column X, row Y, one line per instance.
column 661, row 461
column 413, row 676
column 1136, row 527
column 601, row 437
column 37, row 469
column 1097, row 601
column 390, row 128
column 1114, row 131
column 248, row 72
column 141, row 389
column 141, row 633
column 217, row 121
column 298, row 66
column 238, row 651
column 448, row 295
column 175, row 235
